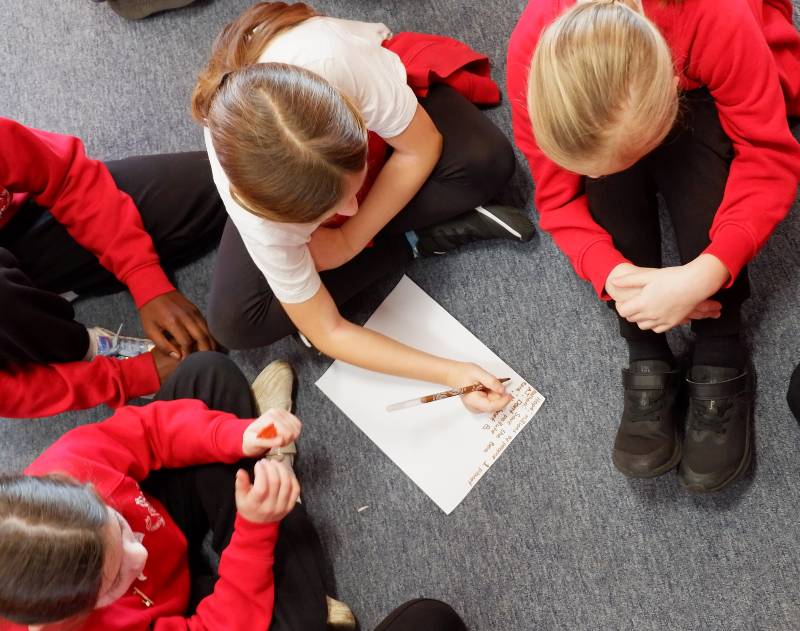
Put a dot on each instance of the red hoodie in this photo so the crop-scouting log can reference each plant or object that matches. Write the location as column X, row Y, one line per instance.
column 54, row 172
column 115, row 456
column 32, row 390
column 747, row 53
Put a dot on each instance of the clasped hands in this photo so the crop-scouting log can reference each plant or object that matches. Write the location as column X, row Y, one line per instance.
column 660, row 299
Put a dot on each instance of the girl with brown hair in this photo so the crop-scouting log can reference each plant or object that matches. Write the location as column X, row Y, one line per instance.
column 106, row 529
column 287, row 101
column 617, row 101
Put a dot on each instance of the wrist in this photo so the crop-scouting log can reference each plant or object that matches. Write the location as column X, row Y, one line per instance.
column 454, row 376
column 709, row 272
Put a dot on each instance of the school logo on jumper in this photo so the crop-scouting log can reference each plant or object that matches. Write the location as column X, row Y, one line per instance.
column 154, row 520
column 5, row 201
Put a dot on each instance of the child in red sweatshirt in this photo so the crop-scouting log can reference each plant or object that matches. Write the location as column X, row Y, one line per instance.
column 72, row 224
column 616, row 101
column 105, row 530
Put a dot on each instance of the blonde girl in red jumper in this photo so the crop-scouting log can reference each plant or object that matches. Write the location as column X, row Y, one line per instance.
column 616, row 101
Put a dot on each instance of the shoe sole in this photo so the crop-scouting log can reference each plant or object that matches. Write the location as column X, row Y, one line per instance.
column 512, row 231
column 659, row 471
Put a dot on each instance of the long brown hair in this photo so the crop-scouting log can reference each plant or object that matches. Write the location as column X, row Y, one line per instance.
column 51, row 548
column 284, row 136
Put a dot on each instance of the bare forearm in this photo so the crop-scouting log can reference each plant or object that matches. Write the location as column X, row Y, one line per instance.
column 400, row 179
column 373, row 351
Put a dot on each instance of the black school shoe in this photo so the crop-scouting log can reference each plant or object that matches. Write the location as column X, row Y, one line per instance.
column 481, row 224
column 647, row 443
column 718, row 443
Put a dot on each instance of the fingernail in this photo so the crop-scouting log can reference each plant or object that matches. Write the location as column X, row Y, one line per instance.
column 174, row 355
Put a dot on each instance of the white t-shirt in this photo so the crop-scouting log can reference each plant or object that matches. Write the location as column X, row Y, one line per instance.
column 350, row 57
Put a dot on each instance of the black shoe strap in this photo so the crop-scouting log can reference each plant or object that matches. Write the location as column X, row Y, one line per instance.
column 719, row 390
column 633, row 380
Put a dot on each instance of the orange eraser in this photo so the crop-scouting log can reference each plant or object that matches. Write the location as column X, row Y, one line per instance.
column 268, row 432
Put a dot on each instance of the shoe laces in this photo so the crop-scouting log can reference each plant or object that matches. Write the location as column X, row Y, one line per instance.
column 710, row 416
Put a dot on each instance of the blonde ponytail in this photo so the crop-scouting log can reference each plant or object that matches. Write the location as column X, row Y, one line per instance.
column 601, row 88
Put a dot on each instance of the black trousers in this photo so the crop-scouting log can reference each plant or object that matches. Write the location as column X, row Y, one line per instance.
column 690, row 170
column 201, row 499
column 422, row 614
column 793, row 396
column 476, row 163
column 39, row 260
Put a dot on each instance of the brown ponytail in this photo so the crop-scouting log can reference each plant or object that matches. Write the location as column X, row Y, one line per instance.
column 285, row 138
column 51, row 548
column 241, row 43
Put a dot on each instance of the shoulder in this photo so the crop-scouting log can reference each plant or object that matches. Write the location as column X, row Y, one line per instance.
column 536, row 16
column 322, row 42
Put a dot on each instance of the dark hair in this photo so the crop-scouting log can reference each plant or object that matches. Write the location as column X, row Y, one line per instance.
column 51, row 548
column 284, row 136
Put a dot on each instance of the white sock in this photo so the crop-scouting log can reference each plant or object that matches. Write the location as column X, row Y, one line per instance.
column 91, row 352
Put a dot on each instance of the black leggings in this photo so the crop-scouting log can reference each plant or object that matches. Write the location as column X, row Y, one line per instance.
column 476, row 163
column 690, row 170
column 202, row 498
column 39, row 259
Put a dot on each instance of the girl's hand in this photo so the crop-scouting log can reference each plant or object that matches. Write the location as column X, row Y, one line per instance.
column 617, row 293
column 287, row 429
column 673, row 295
column 271, row 497
column 495, row 398
column 329, row 248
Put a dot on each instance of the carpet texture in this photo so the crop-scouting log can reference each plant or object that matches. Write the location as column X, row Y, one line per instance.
column 552, row 537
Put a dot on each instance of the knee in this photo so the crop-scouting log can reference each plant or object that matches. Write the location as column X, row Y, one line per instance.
column 793, row 396
column 211, row 365
column 490, row 161
column 230, row 327
column 424, row 613
column 7, row 259
column 240, row 327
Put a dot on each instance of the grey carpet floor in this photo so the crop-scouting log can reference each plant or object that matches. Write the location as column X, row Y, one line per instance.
column 552, row 537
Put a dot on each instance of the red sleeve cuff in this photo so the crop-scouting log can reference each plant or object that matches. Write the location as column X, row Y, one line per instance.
column 139, row 376
column 147, row 283
column 251, row 532
column 596, row 263
column 734, row 246
column 228, row 438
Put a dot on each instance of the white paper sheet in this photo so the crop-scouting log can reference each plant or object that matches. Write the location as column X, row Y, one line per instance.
column 441, row 446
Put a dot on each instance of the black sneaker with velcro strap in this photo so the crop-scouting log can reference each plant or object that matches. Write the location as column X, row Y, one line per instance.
column 718, row 442
column 647, row 443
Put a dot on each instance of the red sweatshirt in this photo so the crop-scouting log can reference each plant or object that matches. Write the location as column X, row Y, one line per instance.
column 54, row 172
column 747, row 53
column 33, row 390
column 115, row 456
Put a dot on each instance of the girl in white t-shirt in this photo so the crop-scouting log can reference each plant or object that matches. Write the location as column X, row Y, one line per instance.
column 287, row 100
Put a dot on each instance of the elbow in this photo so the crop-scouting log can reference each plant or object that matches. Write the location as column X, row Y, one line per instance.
column 326, row 339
